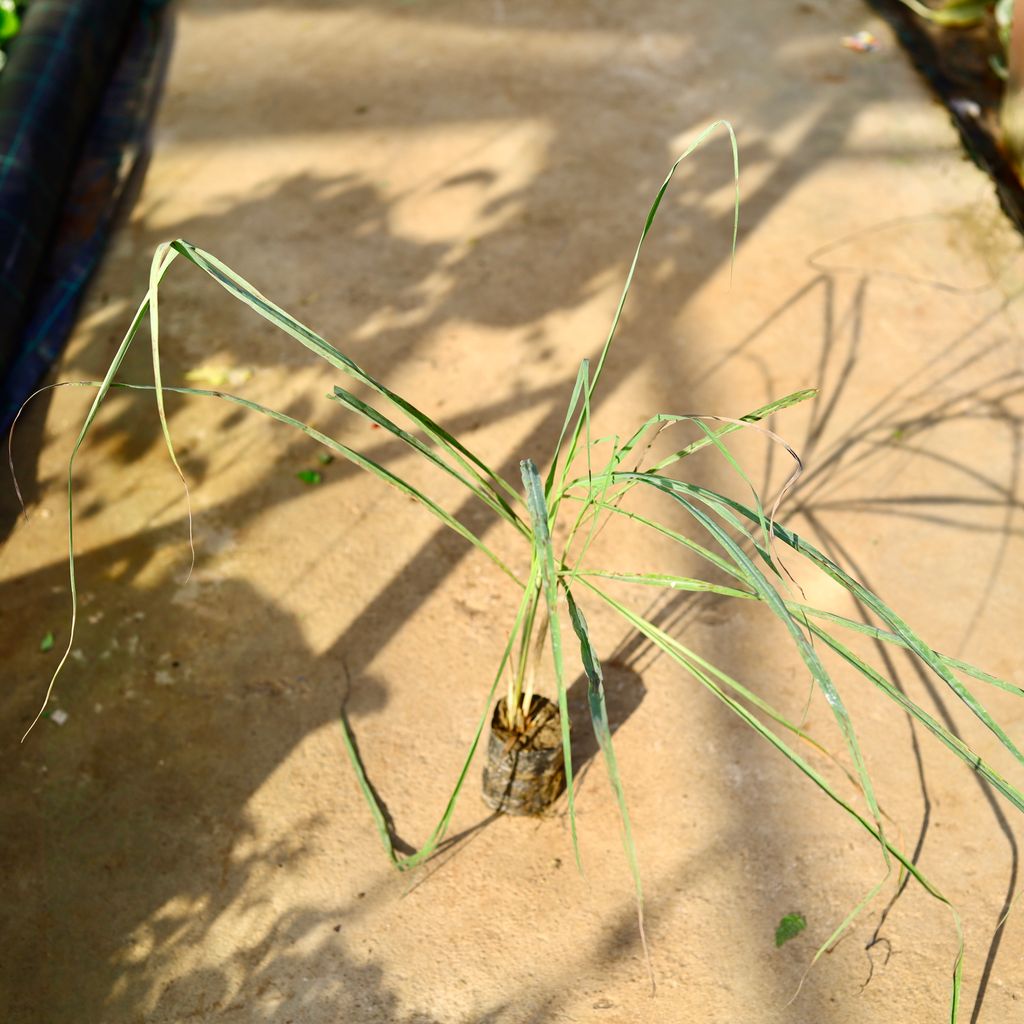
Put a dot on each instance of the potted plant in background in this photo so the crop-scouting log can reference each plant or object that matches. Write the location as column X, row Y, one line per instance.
column 586, row 485
column 1007, row 36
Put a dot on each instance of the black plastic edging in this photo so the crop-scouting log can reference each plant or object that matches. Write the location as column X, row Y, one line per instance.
column 56, row 72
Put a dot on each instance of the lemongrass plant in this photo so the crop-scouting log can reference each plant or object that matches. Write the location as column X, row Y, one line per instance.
column 739, row 545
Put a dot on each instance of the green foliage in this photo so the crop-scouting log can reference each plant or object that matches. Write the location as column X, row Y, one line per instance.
column 590, row 480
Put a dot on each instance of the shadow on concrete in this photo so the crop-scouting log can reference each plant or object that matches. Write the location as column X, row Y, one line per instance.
column 844, row 449
column 141, row 806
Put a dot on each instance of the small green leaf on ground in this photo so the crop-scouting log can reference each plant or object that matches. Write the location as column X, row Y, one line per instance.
column 309, row 476
column 789, row 928
column 46, row 644
column 325, row 458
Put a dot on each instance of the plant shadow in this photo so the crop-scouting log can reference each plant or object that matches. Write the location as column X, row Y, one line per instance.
column 624, row 692
column 167, row 855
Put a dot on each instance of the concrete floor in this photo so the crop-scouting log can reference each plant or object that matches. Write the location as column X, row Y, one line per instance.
column 451, row 192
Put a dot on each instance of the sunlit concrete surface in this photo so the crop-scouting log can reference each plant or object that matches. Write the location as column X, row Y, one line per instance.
column 452, row 193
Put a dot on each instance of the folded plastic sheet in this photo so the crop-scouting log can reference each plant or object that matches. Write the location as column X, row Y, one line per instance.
column 71, row 110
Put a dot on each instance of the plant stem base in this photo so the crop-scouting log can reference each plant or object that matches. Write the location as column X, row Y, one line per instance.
column 525, row 772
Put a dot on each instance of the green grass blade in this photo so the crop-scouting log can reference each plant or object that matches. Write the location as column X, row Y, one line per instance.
column 515, row 696
column 951, row 742
column 163, row 256
column 591, row 505
column 101, row 394
column 376, row 811
column 756, row 579
column 733, row 425
column 913, row 642
column 727, row 507
column 494, row 501
column 876, row 633
column 673, row 488
column 869, row 600
column 357, row 458
column 413, row 860
column 664, row 581
column 603, row 733
column 661, row 641
column 694, row 667
column 712, row 438
column 559, row 492
column 582, row 380
column 549, row 583
column 681, row 651
column 163, row 253
column 246, row 293
column 651, row 215
column 679, row 538
column 670, row 582
column 662, row 420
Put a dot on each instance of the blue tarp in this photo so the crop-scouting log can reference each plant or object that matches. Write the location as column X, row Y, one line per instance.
column 76, row 97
